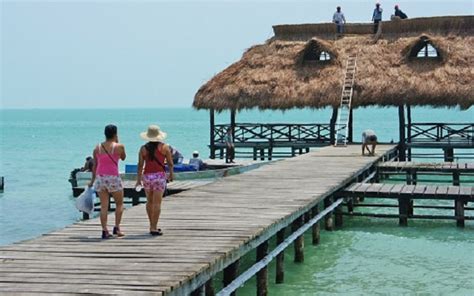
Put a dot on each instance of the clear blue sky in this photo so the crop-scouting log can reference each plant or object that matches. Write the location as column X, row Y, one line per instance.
column 57, row 54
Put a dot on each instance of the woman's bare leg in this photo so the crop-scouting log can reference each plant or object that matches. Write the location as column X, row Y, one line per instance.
column 149, row 207
column 104, row 208
column 118, row 198
column 157, row 198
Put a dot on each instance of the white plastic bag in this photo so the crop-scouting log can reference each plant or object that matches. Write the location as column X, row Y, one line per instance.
column 85, row 201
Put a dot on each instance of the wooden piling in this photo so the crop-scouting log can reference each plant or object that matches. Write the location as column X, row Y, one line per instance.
column 198, row 292
column 448, row 154
column 262, row 275
column 403, row 205
column 459, row 212
column 316, row 229
column 456, row 178
column 329, row 222
column 401, row 131
column 280, row 259
column 212, row 140
column 210, row 291
column 230, row 273
column 339, row 219
column 299, row 242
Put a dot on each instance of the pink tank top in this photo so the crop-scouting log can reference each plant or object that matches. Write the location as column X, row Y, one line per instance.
column 107, row 164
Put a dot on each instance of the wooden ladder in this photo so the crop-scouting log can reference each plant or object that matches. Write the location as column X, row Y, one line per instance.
column 346, row 101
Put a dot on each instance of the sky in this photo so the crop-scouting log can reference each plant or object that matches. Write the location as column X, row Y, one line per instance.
column 135, row 54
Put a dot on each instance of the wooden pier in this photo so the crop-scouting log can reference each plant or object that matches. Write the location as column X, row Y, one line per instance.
column 206, row 231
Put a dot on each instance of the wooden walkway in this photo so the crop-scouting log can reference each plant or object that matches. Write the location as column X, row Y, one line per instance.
column 449, row 167
column 205, row 229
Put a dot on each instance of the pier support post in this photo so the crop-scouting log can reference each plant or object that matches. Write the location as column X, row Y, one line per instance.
column 316, row 229
column 262, row 275
column 350, row 128
column 448, row 154
column 299, row 242
column 409, row 131
column 210, row 288
column 459, row 212
column 198, row 292
column 332, row 126
column 212, row 140
column 456, row 178
column 403, row 206
column 401, row 128
column 280, row 259
column 339, row 219
column 230, row 273
column 329, row 222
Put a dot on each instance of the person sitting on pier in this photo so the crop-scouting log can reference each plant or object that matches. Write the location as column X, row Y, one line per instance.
column 106, row 178
column 339, row 19
column 151, row 173
column 88, row 165
column 177, row 156
column 229, row 142
column 369, row 138
column 196, row 161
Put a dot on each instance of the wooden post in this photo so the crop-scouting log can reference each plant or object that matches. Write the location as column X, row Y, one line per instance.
column 339, row 219
column 232, row 122
column 329, row 223
column 456, row 178
column 299, row 242
column 403, row 211
column 210, row 288
column 409, row 130
column 448, row 154
column 332, row 126
column 316, row 229
column 350, row 128
column 230, row 273
column 459, row 212
column 262, row 275
column 212, row 140
column 198, row 292
column 280, row 259
column 401, row 131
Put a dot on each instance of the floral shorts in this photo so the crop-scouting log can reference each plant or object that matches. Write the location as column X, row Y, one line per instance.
column 154, row 181
column 109, row 183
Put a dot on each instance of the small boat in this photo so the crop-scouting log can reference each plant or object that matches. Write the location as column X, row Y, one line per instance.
column 80, row 179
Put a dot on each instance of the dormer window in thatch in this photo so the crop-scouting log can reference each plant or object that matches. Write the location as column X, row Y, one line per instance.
column 425, row 49
column 316, row 53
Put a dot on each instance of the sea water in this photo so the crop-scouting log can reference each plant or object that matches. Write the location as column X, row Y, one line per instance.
column 39, row 148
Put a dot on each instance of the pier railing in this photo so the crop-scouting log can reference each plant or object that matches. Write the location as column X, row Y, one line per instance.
column 451, row 134
column 275, row 132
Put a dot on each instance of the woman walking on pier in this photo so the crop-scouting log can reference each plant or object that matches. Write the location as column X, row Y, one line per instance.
column 152, row 173
column 106, row 178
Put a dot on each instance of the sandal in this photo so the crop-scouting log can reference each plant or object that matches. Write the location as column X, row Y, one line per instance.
column 157, row 232
column 117, row 232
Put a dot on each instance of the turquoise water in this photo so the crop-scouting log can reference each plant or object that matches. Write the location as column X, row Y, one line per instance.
column 40, row 147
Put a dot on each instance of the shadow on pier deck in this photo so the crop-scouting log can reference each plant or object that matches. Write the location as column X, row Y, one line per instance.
column 206, row 231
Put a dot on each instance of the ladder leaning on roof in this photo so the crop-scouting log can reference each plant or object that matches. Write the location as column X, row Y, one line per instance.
column 346, row 101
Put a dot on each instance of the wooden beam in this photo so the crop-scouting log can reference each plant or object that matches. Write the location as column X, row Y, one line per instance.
column 232, row 122
column 332, row 126
column 230, row 273
column 280, row 259
column 262, row 275
column 212, row 140
column 350, row 127
column 401, row 131
column 409, row 130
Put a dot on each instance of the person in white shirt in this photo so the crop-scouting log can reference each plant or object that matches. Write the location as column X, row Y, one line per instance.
column 196, row 161
column 339, row 19
column 369, row 138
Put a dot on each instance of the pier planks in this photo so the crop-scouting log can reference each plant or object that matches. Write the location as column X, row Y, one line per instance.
column 205, row 229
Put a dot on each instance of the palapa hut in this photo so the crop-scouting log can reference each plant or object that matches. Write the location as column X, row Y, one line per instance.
column 414, row 62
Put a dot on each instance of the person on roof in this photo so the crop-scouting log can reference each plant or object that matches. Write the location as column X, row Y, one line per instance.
column 339, row 19
column 377, row 16
column 399, row 13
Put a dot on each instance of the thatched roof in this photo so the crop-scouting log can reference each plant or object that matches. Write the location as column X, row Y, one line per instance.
column 281, row 75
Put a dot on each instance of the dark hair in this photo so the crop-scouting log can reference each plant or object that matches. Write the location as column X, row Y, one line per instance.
column 151, row 149
column 338, row 8
column 88, row 158
column 110, row 131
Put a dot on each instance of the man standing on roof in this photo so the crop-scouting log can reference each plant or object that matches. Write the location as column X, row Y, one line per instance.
column 339, row 19
column 400, row 13
column 377, row 17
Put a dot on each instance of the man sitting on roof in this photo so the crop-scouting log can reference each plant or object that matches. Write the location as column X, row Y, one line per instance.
column 369, row 138
column 400, row 13
column 339, row 19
